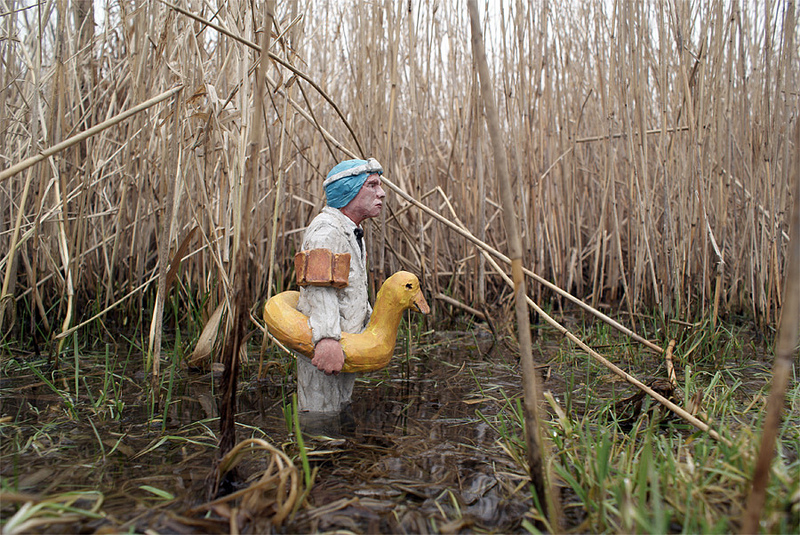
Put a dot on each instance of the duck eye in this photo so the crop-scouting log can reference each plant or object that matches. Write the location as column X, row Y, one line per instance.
column 409, row 285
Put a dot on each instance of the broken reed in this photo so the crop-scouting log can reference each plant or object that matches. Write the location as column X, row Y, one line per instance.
column 647, row 153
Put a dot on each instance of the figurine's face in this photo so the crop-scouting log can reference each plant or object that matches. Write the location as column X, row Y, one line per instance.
column 368, row 202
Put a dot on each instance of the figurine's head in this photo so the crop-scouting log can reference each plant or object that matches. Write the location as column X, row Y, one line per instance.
column 354, row 186
column 346, row 178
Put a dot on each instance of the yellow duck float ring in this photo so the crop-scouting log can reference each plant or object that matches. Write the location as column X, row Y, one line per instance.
column 368, row 351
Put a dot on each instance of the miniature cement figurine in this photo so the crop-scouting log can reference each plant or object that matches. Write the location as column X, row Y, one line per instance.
column 353, row 193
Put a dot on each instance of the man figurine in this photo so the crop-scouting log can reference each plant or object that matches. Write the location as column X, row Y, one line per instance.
column 353, row 193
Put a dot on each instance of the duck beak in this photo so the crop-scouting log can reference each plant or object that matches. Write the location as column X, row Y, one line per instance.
column 420, row 304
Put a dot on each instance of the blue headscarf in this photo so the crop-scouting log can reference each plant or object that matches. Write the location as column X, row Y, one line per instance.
column 346, row 178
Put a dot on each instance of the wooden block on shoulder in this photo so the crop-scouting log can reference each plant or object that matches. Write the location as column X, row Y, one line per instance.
column 321, row 267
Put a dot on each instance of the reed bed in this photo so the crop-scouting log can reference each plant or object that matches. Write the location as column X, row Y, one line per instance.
column 144, row 170
column 647, row 144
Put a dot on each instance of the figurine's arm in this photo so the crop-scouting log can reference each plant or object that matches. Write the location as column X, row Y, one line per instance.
column 325, row 328
column 323, row 315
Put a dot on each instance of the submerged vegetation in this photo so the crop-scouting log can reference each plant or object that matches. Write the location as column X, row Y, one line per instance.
column 652, row 148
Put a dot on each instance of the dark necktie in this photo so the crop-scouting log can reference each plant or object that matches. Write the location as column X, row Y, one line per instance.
column 359, row 238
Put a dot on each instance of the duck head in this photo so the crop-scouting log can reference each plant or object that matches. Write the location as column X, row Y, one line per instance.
column 403, row 289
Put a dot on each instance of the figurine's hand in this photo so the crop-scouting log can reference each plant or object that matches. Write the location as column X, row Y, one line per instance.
column 328, row 356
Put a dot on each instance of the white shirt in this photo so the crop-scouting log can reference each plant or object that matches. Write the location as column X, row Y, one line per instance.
column 330, row 310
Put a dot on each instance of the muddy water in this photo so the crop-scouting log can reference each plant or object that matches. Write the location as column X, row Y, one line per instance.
column 411, row 454
column 417, row 452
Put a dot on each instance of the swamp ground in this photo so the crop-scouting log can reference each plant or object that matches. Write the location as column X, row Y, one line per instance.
column 433, row 443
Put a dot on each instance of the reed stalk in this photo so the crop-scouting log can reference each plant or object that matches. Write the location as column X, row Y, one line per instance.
column 10, row 259
column 785, row 357
column 172, row 172
column 240, row 298
column 530, row 380
column 279, row 186
column 77, row 138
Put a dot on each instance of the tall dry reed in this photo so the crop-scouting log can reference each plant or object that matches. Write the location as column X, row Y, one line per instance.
column 647, row 143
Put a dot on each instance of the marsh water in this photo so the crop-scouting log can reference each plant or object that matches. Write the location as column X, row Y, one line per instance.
column 432, row 443
column 419, row 450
